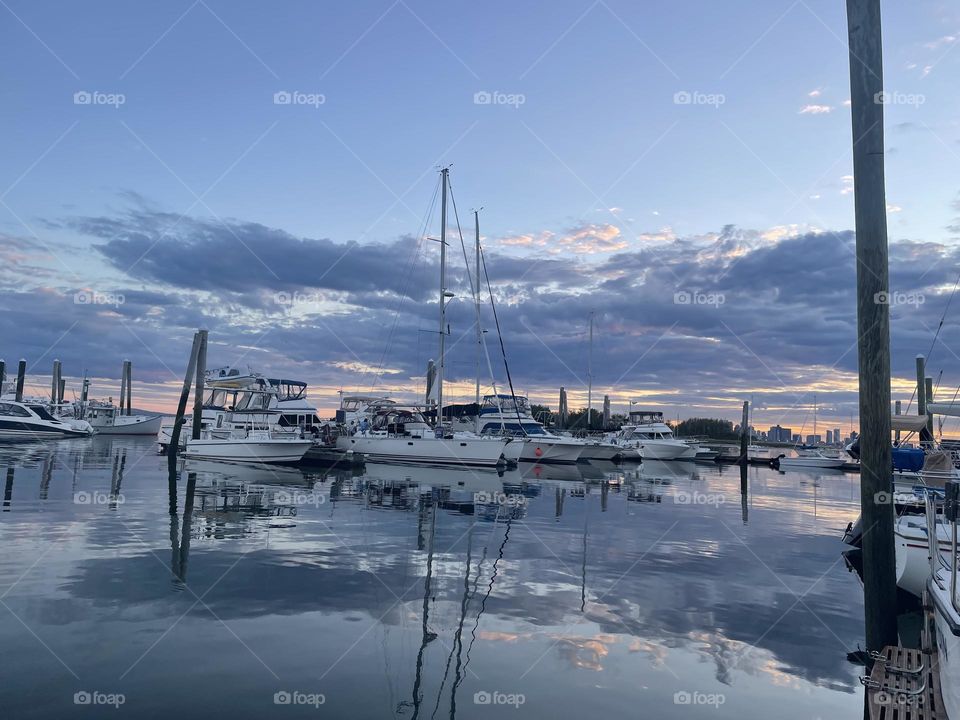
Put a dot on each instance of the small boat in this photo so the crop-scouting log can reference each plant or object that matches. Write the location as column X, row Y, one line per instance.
column 31, row 421
column 106, row 419
column 810, row 459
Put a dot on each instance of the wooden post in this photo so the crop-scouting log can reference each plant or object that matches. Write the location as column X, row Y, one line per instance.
column 129, row 387
column 61, row 388
column 55, row 382
column 123, row 387
column 928, row 395
column 21, row 376
column 3, row 375
column 922, row 394
column 873, row 322
column 898, row 410
column 182, row 405
column 744, row 432
column 198, row 392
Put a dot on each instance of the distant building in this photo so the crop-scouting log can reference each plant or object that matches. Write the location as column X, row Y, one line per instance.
column 830, row 440
column 814, row 439
column 796, row 439
column 837, row 438
column 779, row 434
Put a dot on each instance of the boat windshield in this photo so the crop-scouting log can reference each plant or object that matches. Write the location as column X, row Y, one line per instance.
column 288, row 389
column 11, row 409
column 42, row 412
column 506, row 404
column 253, row 402
column 515, row 428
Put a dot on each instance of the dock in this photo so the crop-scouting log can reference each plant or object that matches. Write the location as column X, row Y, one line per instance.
column 904, row 685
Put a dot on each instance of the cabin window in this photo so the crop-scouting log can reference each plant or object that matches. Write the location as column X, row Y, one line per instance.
column 15, row 410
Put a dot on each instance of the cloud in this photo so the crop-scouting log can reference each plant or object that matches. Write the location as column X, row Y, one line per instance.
column 846, row 183
column 815, row 110
column 815, row 93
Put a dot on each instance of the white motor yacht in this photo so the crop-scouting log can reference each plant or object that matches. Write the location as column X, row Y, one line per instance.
column 647, row 433
column 32, row 421
column 807, row 458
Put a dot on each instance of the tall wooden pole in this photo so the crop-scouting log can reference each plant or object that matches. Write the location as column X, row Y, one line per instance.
column 182, row 405
column 123, row 387
column 3, row 375
column 928, row 394
column 129, row 369
column 873, row 322
column 55, row 385
column 198, row 392
column 21, row 377
column 744, row 432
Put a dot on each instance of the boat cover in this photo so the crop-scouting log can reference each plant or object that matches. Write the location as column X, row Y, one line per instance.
column 908, row 459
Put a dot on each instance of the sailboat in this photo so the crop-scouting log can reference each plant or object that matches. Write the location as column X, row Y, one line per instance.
column 403, row 434
column 594, row 449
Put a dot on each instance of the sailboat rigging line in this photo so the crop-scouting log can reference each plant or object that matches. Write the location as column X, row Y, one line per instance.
column 503, row 349
column 936, row 335
column 483, row 601
column 408, row 274
column 475, row 292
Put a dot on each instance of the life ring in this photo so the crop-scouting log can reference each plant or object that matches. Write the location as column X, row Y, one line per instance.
column 538, row 452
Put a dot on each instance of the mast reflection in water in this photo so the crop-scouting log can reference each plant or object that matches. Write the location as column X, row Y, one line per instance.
column 420, row 592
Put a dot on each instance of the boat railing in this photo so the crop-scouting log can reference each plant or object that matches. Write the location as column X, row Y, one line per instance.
column 950, row 513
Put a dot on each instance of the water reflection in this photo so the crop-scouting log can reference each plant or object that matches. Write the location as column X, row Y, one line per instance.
column 558, row 583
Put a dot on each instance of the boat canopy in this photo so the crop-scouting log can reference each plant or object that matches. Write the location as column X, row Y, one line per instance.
column 951, row 408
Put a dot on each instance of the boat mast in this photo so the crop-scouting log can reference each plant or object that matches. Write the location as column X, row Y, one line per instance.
column 590, row 378
column 476, row 304
column 443, row 293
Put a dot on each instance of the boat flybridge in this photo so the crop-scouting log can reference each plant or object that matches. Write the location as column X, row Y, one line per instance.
column 32, row 421
column 397, row 433
column 646, row 433
column 509, row 416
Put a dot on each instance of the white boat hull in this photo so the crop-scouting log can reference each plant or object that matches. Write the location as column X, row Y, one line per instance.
column 947, row 623
column 811, row 462
column 242, row 450
column 600, row 451
column 550, row 450
column 913, row 552
column 425, row 450
column 666, row 450
column 132, row 425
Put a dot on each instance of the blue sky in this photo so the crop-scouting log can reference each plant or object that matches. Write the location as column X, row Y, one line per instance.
column 593, row 158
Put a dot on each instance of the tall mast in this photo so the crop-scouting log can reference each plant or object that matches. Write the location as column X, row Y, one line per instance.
column 443, row 293
column 590, row 378
column 476, row 304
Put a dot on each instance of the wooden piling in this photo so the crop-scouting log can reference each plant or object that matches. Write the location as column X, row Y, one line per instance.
column 3, row 375
column 21, row 377
column 128, row 366
column 182, row 405
column 744, row 433
column 55, row 382
column 928, row 394
column 873, row 321
column 898, row 410
column 198, row 392
column 61, row 390
column 922, row 395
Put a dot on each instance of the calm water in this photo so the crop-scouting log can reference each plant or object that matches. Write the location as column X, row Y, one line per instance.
column 590, row 592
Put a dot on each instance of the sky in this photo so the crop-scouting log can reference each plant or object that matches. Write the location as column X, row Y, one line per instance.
column 681, row 170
